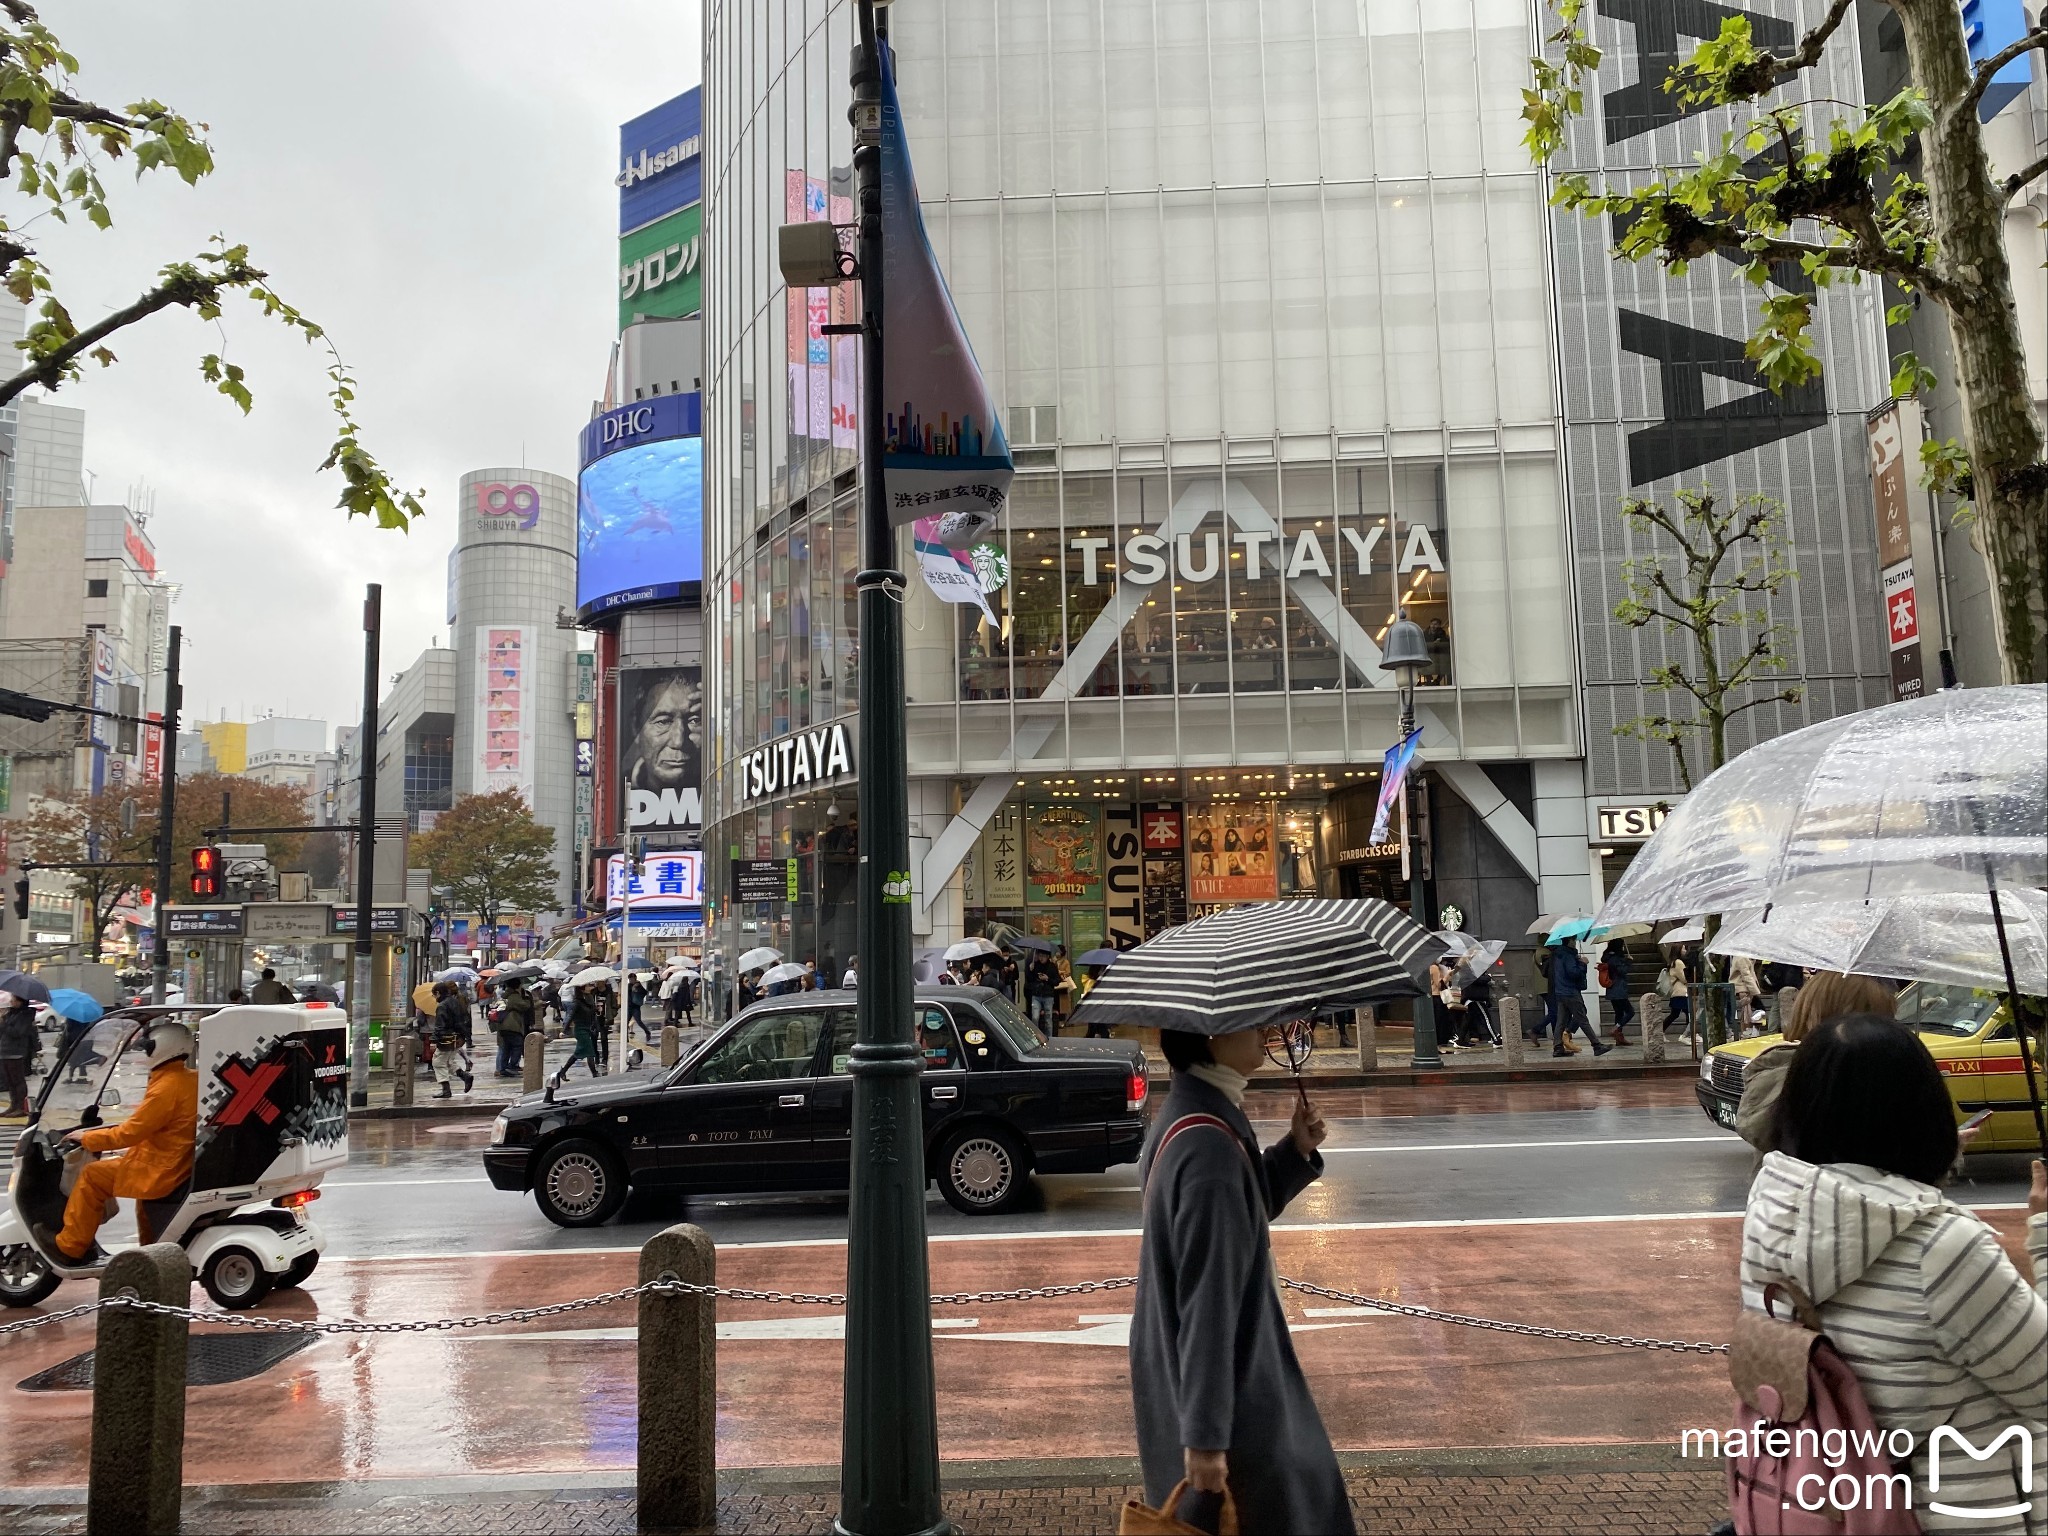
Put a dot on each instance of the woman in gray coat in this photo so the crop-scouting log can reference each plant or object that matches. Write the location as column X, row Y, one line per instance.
column 1218, row 1392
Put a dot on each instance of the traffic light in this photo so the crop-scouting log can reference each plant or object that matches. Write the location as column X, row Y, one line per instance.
column 24, row 707
column 206, row 873
column 21, row 898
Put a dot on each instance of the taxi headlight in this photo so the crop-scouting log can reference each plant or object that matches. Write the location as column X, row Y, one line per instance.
column 1706, row 1072
column 498, row 1128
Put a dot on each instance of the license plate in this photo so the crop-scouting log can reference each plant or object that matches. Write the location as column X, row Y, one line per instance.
column 1725, row 1113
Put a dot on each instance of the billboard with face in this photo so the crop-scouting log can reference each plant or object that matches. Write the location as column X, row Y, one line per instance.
column 661, row 747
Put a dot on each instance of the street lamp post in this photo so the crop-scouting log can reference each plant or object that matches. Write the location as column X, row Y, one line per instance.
column 889, row 1448
column 1405, row 655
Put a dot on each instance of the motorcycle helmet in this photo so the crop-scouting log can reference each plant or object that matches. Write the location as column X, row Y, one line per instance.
column 167, row 1042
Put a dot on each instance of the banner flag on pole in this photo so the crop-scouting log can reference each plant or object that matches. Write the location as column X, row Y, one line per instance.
column 944, row 457
column 1392, row 776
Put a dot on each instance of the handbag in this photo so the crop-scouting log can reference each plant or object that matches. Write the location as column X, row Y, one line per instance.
column 1141, row 1519
column 1664, row 983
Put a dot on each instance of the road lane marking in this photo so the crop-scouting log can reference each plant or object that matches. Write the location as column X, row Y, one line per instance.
column 828, row 1328
column 1362, row 1313
column 1124, row 1232
column 392, row 1183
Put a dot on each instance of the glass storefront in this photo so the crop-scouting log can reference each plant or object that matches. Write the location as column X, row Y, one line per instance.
column 1262, row 294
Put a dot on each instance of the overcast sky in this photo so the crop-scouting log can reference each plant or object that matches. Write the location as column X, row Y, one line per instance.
column 431, row 182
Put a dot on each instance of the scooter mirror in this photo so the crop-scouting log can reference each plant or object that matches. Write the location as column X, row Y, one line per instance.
column 110, row 1096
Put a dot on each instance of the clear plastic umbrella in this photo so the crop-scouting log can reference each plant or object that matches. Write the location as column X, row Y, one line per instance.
column 1943, row 793
column 759, row 959
column 1945, row 938
column 1477, row 961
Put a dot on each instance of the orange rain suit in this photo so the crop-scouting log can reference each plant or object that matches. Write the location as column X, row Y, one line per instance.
column 160, row 1132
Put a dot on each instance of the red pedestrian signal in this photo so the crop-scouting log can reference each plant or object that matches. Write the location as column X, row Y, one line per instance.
column 206, row 873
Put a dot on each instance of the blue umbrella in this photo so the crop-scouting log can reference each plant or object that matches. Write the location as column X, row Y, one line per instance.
column 1100, row 956
column 74, row 1005
column 1571, row 928
column 25, row 987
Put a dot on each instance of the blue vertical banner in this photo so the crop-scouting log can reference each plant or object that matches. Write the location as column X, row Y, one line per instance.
column 945, row 462
column 1393, row 774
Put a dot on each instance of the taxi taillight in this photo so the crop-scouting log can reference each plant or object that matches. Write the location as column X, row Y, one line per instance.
column 1135, row 1091
column 296, row 1199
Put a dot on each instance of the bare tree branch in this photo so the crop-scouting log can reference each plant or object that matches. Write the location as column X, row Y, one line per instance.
column 2038, row 38
column 2019, row 179
column 1811, row 46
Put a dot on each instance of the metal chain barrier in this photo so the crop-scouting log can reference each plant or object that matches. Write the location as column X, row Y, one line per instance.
column 1533, row 1330
column 821, row 1299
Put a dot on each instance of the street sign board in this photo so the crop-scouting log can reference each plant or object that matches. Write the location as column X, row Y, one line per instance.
column 285, row 922
column 389, row 920
column 203, row 922
column 762, row 879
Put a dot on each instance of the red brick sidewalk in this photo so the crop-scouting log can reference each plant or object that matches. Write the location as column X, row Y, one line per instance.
column 1626, row 1490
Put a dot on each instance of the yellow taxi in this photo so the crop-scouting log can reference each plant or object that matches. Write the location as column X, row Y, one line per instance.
column 1971, row 1038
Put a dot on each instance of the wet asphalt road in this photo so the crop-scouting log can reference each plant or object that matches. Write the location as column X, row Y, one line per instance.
column 417, row 1188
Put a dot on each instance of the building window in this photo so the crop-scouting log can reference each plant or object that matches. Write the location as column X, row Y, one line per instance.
column 97, row 587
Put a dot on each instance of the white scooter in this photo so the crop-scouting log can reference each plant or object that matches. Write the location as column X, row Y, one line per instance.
column 273, row 1121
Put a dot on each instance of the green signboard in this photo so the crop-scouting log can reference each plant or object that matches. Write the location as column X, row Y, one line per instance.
column 661, row 267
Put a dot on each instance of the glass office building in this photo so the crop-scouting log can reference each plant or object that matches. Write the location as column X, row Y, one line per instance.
column 1263, row 294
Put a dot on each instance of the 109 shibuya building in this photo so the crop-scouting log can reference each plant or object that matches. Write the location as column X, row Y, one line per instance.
column 1268, row 300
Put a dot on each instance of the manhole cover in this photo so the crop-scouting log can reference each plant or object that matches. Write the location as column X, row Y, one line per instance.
column 211, row 1360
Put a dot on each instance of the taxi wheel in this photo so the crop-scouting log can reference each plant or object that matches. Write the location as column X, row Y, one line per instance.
column 580, row 1184
column 982, row 1170
column 235, row 1278
column 24, row 1278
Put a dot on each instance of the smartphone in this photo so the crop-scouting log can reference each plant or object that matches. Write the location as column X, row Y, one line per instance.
column 1975, row 1120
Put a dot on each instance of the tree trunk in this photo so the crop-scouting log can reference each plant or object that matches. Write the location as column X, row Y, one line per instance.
column 2003, row 434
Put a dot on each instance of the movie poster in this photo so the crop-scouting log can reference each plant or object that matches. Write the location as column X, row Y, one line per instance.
column 1063, row 855
column 1230, row 854
column 661, row 747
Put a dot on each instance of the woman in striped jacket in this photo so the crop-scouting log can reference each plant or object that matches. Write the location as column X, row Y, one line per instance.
column 1915, row 1291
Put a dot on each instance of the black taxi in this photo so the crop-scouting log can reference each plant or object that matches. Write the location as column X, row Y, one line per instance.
column 766, row 1104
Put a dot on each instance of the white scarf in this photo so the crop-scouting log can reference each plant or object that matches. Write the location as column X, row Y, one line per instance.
column 1225, row 1080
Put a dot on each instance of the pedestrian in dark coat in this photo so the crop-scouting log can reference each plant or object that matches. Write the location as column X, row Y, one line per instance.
column 1615, row 959
column 19, row 1043
column 1218, row 1392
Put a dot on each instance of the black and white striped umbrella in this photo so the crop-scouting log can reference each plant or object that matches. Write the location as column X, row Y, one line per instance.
column 1267, row 963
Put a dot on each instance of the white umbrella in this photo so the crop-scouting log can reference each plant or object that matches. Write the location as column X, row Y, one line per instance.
column 759, row 959
column 1948, row 938
column 1942, row 793
column 969, row 949
column 1478, row 960
column 1688, row 933
column 594, row 975
column 790, row 971
column 1455, row 942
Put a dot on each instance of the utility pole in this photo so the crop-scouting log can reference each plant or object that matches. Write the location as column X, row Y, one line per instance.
column 366, row 858
column 889, row 1451
column 166, row 819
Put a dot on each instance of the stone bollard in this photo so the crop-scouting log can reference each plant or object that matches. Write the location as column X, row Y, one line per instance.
column 137, row 1473
column 1510, row 1008
column 671, row 1045
column 534, row 1065
column 1652, row 1014
column 678, row 1473
column 1366, row 1021
column 404, row 1054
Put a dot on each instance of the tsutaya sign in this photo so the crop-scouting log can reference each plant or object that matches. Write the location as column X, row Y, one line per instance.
column 1265, row 553
column 805, row 757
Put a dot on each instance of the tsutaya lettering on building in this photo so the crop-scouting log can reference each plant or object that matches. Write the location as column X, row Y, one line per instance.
column 1200, row 557
column 793, row 761
column 1631, row 823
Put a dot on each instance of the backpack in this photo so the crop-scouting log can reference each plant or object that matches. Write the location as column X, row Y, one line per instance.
column 1795, row 1391
column 1606, row 976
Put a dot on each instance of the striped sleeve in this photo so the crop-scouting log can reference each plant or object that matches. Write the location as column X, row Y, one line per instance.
column 1985, row 1315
